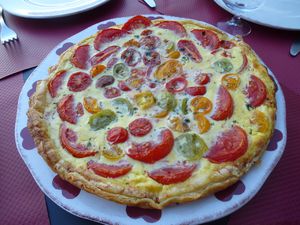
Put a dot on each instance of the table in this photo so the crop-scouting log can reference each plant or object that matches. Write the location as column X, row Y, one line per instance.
column 22, row 202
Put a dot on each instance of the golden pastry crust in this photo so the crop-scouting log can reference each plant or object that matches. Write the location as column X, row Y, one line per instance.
column 127, row 189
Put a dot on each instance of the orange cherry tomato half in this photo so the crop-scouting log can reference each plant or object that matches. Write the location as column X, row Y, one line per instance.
column 117, row 135
column 55, row 83
column 68, row 140
column 109, row 171
column 91, row 105
column 173, row 174
column 176, row 85
column 256, row 91
column 202, row 123
column 201, row 104
column 231, row 81
column 97, row 69
column 261, row 120
column 230, row 145
column 150, row 152
column 224, row 105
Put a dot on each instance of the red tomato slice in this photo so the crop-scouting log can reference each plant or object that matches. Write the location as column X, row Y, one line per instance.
column 123, row 86
column 136, row 22
column 226, row 44
column 139, row 72
column 140, row 127
column 101, row 56
column 224, row 105
column 203, row 78
column 55, row 83
column 150, row 42
column 256, row 91
column 117, row 135
column 112, row 92
column 146, row 32
column 208, row 38
column 109, row 171
column 79, row 81
column 150, row 152
column 81, row 56
column 173, row 174
column 176, row 85
column 79, row 109
column 244, row 63
column 151, row 58
column 66, row 109
column 131, row 56
column 107, row 35
column 174, row 26
column 230, row 145
column 68, row 140
column 196, row 90
column 112, row 62
column 188, row 48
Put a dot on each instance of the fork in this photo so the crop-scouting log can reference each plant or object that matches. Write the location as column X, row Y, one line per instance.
column 6, row 34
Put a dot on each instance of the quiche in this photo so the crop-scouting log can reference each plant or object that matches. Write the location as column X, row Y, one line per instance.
column 150, row 113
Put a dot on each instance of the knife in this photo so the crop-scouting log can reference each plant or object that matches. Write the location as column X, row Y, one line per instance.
column 150, row 3
column 295, row 48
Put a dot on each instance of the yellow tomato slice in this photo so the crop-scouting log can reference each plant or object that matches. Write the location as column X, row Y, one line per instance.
column 113, row 153
column 202, row 123
column 231, row 81
column 161, row 114
column 261, row 120
column 91, row 105
column 144, row 99
column 177, row 124
column 97, row 69
column 174, row 55
column 201, row 104
column 169, row 68
column 132, row 43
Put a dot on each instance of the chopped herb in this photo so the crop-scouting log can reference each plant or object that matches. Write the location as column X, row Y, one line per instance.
column 250, row 131
column 137, row 36
column 234, row 121
column 249, row 107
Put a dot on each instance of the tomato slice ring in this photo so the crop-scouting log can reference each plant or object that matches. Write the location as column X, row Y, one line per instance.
column 68, row 140
column 173, row 174
column 231, row 81
column 201, row 104
column 177, row 84
column 202, row 123
column 189, row 49
column 224, row 105
column 150, row 152
column 79, row 81
column 55, row 83
column 109, row 171
column 174, row 26
column 107, row 35
column 256, row 91
column 208, row 38
column 81, row 56
column 136, row 22
column 230, row 145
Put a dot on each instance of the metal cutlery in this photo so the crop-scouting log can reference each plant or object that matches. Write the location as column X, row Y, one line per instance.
column 6, row 34
column 295, row 48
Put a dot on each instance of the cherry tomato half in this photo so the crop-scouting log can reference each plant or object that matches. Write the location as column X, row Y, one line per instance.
column 140, row 127
column 208, row 38
column 177, row 84
column 196, row 90
column 117, row 135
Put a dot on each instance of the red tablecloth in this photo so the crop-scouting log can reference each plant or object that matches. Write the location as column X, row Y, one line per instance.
column 22, row 202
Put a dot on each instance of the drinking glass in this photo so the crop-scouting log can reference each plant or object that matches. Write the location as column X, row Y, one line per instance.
column 236, row 26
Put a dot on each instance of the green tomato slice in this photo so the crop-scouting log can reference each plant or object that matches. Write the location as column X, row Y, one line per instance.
column 101, row 119
column 166, row 101
column 184, row 108
column 121, row 71
column 190, row 145
column 123, row 105
column 223, row 66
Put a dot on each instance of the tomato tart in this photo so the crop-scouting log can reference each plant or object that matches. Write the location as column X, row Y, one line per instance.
column 150, row 113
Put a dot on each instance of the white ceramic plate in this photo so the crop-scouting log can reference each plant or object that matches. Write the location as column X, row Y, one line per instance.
column 281, row 14
column 91, row 207
column 48, row 8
